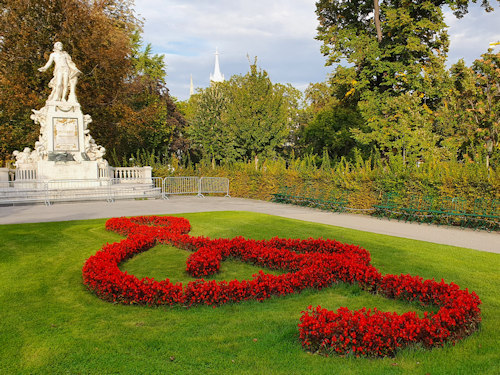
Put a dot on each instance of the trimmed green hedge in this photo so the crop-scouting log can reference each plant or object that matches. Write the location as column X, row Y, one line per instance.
column 365, row 181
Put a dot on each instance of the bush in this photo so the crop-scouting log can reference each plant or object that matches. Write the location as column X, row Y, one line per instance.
column 365, row 181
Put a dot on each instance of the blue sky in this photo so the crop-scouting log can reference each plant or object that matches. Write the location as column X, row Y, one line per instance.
column 279, row 32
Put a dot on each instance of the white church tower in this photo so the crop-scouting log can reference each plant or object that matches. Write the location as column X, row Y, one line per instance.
column 217, row 76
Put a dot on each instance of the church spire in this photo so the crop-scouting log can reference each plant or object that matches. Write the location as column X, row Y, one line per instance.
column 217, row 76
column 191, row 87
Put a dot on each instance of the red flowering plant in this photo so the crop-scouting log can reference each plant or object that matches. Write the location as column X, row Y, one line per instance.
column 311, row 263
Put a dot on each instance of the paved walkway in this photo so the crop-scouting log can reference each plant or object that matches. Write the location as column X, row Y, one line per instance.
column 478, row 240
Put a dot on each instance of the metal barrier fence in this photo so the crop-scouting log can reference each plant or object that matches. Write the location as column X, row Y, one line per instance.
column 119, row 190
column 48, row 192
column 195, row 185
column 76, row 190
column 181, row 185
column 213, row 185
column 159, row 183
column 23, row 192
column 52, row 191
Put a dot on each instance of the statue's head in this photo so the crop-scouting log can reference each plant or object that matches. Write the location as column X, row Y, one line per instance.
column 58, row 46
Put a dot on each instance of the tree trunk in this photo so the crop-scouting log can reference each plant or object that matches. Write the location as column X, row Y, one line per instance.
column 376, row 17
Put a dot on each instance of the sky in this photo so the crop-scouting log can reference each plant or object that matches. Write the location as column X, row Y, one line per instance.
column 280, row 33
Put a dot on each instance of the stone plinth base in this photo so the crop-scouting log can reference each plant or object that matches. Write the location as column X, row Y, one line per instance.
column 67, row 170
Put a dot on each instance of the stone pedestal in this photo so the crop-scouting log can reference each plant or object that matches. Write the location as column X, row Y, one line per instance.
column 65, row 128
column 65, row 149
column 67, row 170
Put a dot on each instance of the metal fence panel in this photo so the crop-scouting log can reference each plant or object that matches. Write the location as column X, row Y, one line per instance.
column 75, row 190
column 181, row 185
column 121, row 189
column 159, row 183
column 214, row 185
column 76, row 184
column 23, row 192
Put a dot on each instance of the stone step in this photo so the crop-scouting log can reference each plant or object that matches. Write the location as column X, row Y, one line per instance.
column 110, row 193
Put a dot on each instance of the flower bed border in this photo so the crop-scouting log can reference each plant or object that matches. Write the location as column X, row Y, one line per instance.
column 311, row 263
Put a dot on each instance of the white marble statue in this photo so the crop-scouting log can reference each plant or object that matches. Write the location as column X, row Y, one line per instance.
column 65, row 149
column 65, row 75
column 23, row 157
column 86, row 121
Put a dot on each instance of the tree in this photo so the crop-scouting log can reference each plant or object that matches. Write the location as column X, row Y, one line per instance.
column 485, row 109
column 330, row 124
column 397, row 51
column 245, row 117
column 399, row 125
column 208, row 130
column 146, row 115
column 256, row 113
column 414, row 38
column 470, row 118
column 296, row 118
column 331, row 130
column 320, row 96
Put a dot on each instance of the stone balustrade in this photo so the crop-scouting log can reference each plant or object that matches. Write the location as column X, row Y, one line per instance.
column 26, row 174
column 132, row 174
column 104, row 173
column 123, row 174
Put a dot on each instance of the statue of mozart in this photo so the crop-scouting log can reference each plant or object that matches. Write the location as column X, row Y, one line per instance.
column 65, row 75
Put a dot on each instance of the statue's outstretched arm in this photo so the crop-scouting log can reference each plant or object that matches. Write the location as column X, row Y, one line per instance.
column 49, row 63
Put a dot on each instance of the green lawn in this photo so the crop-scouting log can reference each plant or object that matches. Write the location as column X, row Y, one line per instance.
column 50, row 324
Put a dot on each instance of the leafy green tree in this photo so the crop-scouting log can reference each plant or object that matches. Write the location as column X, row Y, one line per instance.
column 486, row 109
column 256, row 113
column 296, row 118
column 243, row 118
column 147, row 66
column 470, row 118
column 331, row 131
column 413, row 38
column 396, row 50
column 208, row 130
column 320, row 96
column 399, row 125
column 147, row 116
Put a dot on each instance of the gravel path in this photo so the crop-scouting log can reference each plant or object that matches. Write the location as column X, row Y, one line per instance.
column 478, row 240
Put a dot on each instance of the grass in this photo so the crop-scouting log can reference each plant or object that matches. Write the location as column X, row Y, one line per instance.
column 50, row 324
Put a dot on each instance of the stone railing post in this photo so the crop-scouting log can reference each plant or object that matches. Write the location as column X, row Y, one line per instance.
column 147, row 174
column 4, row 174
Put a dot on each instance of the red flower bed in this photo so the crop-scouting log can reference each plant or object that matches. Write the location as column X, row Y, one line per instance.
column 312, row 263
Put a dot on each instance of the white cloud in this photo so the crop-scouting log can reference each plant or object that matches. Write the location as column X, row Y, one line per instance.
column 279, row 32
column 471, row 35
